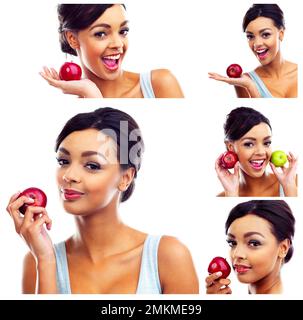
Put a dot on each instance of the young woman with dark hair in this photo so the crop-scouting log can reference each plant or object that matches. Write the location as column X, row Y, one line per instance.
column 248, row 133
column 260, row 235
column 99, row 155
column 275, row 77
column 98, row 35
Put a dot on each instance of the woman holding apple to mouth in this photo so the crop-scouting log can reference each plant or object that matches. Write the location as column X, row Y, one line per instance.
column 260, row 235
column 248, row 133
column 99, row 155
column 275, row 77
column 98, row 35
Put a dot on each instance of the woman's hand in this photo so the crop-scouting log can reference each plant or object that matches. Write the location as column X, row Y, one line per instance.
column 287, row 176
column 31, row 227
column 244, row 81
column 230, row 181
column 83, row 88
column 215, row 286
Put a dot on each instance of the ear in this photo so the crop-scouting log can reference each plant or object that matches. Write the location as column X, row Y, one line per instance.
column 283, row 248
column 229, row 146
column 72, row 39
column 126, row 179
column 281, row 34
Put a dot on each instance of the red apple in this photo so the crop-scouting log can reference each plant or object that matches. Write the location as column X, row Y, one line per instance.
column 228, row 159
column 37, row 194
column 219, row 264
column 70, row 71
column 234, row 71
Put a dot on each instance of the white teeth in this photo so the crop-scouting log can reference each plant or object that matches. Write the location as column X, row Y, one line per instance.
column 258, row 162
column 116, row 57
column 261, row 51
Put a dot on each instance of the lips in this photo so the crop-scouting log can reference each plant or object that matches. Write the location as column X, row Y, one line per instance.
column 241, row 269
column 112, row 62
column 262, row 53
column 71, row 194
column 257, row 164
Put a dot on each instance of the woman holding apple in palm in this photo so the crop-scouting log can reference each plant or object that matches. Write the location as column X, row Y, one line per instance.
column 99, row 155
column 98, row 35
column 248, row 134
column 260, row 235
column 275, row 77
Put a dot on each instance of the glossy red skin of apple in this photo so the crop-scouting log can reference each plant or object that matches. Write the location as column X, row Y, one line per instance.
column 234, row 71
column 228, row 159
column 70, row 71
column 219, row 264
column 35, row 193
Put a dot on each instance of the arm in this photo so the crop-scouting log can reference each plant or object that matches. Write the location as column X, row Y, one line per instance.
column 83, row 88
column 230, row 181
column 176, row 268
column 165, row 84
column 288, row 176
column 244, row 86
column 38, row 277
column 39, row 269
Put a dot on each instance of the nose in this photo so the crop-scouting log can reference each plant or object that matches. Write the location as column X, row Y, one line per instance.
column 238, row 253
column 71, row 176
column 116, row 41
column 260, row 150
column 258, row 42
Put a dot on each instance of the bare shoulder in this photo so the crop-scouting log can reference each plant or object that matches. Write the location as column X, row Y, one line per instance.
column 29, row 274
column 172, row 248
column 176, row 267
column 165, row 84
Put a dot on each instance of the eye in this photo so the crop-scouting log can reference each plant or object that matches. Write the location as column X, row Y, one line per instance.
column 248, row 144
column 267, row 143
column 254, row 243
column 231, row 243
column 93, row 166
column 62, row 161
column 266, row 35
column 124, row 32
column 100, row 34
column 249, row 37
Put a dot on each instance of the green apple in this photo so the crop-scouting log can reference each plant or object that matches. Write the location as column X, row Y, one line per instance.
column 278, row 158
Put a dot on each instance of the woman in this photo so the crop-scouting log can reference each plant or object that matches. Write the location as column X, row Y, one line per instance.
column 259, row 233
column 275, row 77
column 98, row 35
column 248, row 133
column 99, row 155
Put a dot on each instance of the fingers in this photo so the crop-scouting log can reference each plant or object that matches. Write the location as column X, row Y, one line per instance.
column 15, row 203
column 237, row 169
column 214, row 285
column 210, row 280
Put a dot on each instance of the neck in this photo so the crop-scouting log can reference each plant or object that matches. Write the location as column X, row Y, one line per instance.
column 108, row 88
column 253, row 184
column 276, row 67
column 97, row 233
column 271, row 284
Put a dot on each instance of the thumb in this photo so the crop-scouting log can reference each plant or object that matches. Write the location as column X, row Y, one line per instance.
column 237, row 169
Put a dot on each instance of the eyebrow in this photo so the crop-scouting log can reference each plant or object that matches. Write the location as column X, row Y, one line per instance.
column 254, row 139
column 83, row 154
column 107, row 26
column 262, row 30
column 247, row 234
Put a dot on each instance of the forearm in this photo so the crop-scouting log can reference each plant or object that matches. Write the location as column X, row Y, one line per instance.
column 290, row 190
column 46, row 277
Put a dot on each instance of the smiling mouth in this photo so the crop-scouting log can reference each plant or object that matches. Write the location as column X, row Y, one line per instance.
column 261, row 53
column 111, row 62
column 241, row 269
column 257, row 164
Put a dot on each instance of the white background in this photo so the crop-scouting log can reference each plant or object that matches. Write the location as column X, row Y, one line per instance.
column 177, row 184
